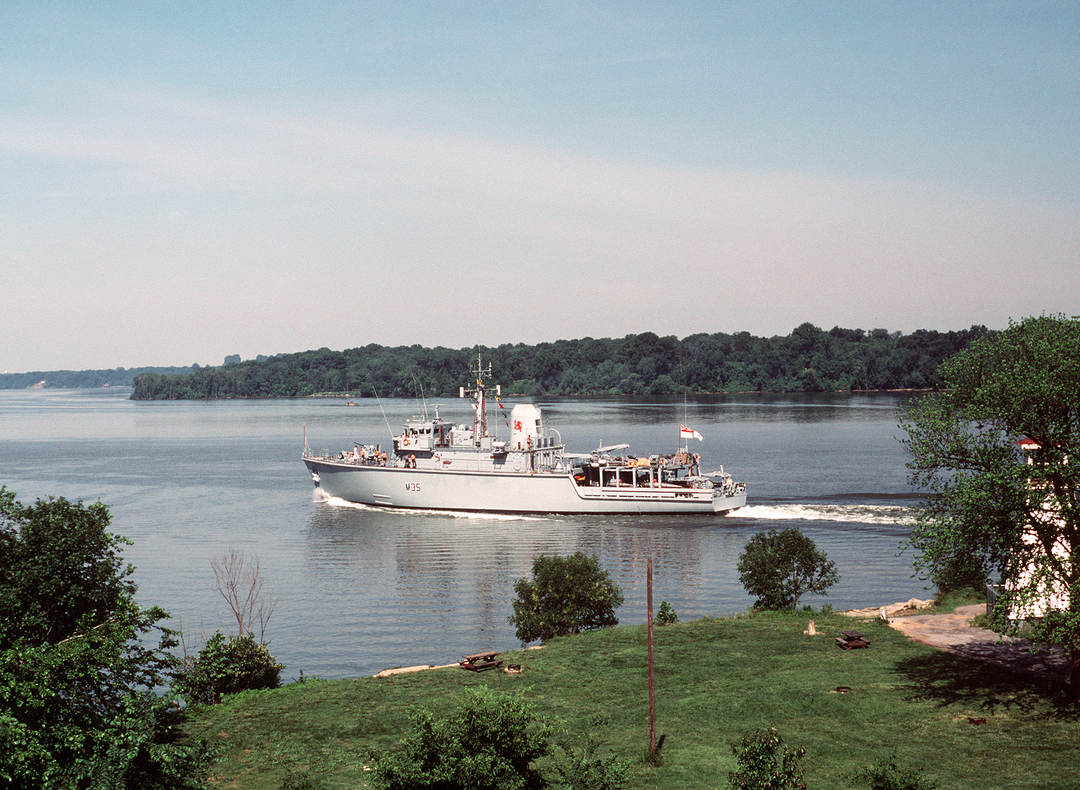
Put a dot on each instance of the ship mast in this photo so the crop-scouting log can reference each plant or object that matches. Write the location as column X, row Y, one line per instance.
column 480, row 424
column 479, row 396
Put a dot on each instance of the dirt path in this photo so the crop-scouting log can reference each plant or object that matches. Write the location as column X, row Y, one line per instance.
column 954, row 633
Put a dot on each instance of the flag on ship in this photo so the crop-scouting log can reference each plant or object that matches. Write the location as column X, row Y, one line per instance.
column 688, row 433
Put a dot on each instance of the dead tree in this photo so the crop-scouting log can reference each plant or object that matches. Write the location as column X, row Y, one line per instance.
column 239, row 582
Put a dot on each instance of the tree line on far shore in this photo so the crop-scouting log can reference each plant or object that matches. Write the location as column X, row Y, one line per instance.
column 810, row 359
column 84, row 379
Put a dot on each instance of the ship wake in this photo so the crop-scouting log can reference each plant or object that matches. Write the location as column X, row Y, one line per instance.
column 861, row 514
column 344, row 503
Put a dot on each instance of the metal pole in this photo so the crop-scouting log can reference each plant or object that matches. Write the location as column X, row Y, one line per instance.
column 652, row 684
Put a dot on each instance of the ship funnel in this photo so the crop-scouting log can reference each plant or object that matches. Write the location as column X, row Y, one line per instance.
column 526, row 426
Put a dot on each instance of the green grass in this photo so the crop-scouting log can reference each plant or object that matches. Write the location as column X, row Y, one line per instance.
column 948, row 602
column 715, row 680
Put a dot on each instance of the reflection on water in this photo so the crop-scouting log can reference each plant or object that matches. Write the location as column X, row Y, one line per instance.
column 360, row 589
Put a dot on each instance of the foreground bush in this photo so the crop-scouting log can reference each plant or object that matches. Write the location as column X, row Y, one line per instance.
column 78, row 659
column 765, row 763
column 590, row 766
column 488, row 742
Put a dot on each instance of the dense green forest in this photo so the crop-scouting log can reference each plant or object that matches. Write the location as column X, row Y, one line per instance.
column 68, row 379
column 810, row 359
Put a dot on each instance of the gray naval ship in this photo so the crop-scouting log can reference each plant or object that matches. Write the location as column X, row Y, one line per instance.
column 436, row 465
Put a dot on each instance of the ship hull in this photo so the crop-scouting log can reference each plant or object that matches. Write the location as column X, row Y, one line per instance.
column 506, row 492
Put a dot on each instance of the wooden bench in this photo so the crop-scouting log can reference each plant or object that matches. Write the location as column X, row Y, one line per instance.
column 478, row 661
column 476, row 666
column 852, row 640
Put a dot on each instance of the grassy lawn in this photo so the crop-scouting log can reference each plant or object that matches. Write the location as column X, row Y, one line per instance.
column 715, row 680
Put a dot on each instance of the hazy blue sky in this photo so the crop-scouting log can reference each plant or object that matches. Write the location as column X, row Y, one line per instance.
column 182, row 180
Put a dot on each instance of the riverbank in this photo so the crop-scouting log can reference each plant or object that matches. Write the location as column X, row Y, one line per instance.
column 950, row 631
column 716, row 678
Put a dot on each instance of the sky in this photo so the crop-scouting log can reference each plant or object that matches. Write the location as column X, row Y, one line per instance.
column 181, row 181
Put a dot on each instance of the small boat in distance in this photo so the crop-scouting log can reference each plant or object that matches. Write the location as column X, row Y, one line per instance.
column 436, row 465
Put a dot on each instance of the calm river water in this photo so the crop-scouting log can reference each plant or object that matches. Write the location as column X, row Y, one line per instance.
column 359, row 589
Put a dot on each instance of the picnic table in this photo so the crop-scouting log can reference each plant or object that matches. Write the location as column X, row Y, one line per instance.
column 852, row 640
column 478, row 661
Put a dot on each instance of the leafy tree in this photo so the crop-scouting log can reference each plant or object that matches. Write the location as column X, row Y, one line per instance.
column 779, row 567
column 489, row 742
column 566, row 595
column 766, row 763
column 998, row 450
column 76, row 670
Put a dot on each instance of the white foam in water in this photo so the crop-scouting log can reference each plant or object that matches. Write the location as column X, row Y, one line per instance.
column 862, row 514
column 338, row 502
column 858, row 514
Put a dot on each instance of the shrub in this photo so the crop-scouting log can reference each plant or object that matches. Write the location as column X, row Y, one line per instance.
column 589, row 768
column 488, row 742
column 666, row 615
column 765, row 763
column 300, row 781
column 780, row 566
column 887, row 776
column 566, row 595
column 225, row 667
